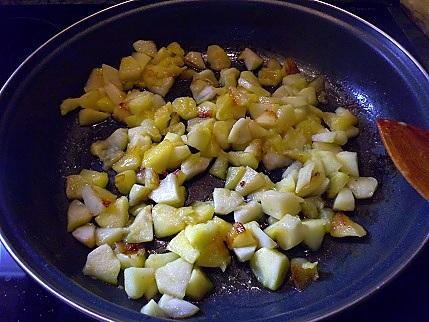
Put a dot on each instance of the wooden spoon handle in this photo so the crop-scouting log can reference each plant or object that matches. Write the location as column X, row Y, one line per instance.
column 408, row 146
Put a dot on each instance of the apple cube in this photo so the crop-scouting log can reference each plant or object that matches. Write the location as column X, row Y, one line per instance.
column 338, row 180
column 363, row 187
column 193, row 165
column 215, row 254
column 244, row 253
column 141, row 230
column 168, row 191
column 138, row 194
column 177, row 308
column 240, row 237
column 287, row 232
column 115, row 215
column 343, row 226
column 166, row 221
column 199, row 285
column 102, row 264
column 314, row 231
column 157, row 157
column 85, row 234
column 233, row 176
column 125, row 180
column 248, row 212
column 132, row 260
column 277, row 204
column 249, row 182
column 77, row 215
column 344, row 200
column 109, row 235
column 240, row 132
column 303, row 272
column 226, row 201
column 349, row 163
column 140, row 281
column 264, row 241
column 270, row 267
column 182, row 247
column 156, row 261
column 203, row 212
column 173, row 277
column 153, row 309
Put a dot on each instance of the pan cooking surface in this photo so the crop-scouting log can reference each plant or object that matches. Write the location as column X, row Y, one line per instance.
column 365, row 70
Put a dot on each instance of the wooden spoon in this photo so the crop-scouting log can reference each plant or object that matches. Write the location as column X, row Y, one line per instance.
column 408, row 146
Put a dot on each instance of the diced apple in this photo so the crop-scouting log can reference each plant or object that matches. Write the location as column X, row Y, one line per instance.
column 221, row 130
column 182, row 247
column 177, row 308
column 203, row 211
column 220, row 167
column 344, row 200
column 226, row 201
column 109, row 235
column 99, row 179
column 153, row 309
column 157, row 157
column 314, row 231
column 349, row 163
column 140, row 281
column 240, row 132
column 115, row 215
column 233, row 176
column 92, row 201
column 85, row 234
column 138, row 194
column 244, row 253
column 168, row 191
column 338, row 181
column 215, row 254
column 248, row 212
column 193, row 165
column 111, row 149
column 251, row 59
column 185, row 107
column 311, row 207
column 166, row 220
column 241, row 158
column 343, row 226
column 277, row 204
column 156, row 261
column 303, row 272
column 173, row 278
column 132, row 260
column 270, row 267
column 273, row 160
column 363, row 187
column 239, row 237
column 249, row 182
column 264, row 241
column 77, row 215
column 102, row 264
column 131, row 160
column 180, row 153
column 287, row 232
column 125, row 180
column 141, row 230
column 199, row 285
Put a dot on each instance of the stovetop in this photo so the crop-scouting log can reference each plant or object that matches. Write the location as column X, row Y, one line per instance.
column 24, row 28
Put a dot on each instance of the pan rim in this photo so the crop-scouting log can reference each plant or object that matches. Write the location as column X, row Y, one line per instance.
column 91, row 310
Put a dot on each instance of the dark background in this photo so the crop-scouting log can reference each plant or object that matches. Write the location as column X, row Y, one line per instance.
column 24, row 25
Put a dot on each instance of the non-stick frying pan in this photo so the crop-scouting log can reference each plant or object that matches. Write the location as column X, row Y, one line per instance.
column 364, row 67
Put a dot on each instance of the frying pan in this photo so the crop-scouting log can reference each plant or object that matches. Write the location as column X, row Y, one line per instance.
column 38, row 148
